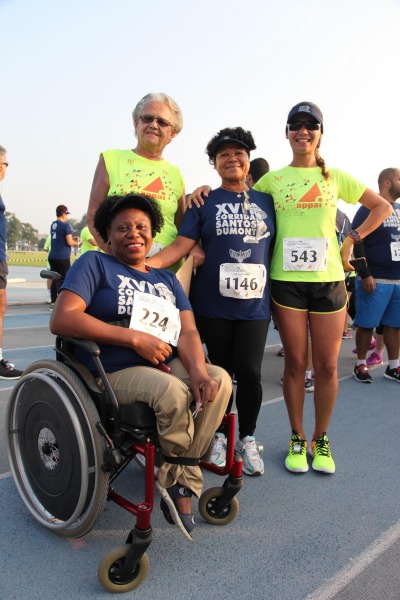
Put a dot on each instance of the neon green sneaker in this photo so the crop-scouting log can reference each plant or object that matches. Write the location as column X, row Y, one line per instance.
column 321, row 452
column 296, row 460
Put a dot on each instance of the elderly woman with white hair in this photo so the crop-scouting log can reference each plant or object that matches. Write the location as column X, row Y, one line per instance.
column 157, row 119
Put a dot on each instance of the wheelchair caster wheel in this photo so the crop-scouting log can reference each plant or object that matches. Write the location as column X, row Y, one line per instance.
column 208, row 512
column 110, row 569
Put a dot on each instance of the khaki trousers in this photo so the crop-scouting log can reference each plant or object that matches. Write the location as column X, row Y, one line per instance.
column 170, row 397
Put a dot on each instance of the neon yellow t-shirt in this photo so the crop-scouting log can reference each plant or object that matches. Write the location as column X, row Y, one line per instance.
column 305, row 206
column 129, row 173
column 85, row 236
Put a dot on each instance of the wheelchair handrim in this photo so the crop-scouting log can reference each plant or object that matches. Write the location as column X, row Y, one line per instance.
column 20, row 478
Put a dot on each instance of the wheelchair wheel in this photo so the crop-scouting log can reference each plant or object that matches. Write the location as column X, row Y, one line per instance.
column 54, row 449
column 208, row 512
column 110, row 569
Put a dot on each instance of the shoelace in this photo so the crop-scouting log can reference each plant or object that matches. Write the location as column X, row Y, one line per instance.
column 7, row 364
column 218, row 445
column 298, row 445
column 251, row 449
column 322, row 445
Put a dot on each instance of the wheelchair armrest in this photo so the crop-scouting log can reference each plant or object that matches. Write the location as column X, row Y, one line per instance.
column 94, row 351
column 87, row 345
column 47, row 274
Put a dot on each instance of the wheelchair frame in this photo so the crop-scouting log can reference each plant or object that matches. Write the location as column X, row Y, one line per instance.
column 67, row 441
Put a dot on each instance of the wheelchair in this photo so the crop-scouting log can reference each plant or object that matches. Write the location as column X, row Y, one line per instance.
column 68, row 441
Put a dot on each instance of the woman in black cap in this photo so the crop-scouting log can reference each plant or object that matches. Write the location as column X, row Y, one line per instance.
column 230, row 292
column 307, row 277
column 101, row 289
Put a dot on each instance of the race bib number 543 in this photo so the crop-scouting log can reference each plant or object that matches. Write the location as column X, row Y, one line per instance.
column 305, row 254
column 155, row 315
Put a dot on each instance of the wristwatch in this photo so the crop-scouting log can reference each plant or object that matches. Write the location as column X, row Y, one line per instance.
column 355, row 236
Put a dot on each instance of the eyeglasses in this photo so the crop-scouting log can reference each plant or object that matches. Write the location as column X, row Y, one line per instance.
column 159, row 120
column 309, row 125
column 6, row 164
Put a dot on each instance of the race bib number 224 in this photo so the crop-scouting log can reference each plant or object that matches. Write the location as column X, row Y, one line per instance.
column 157, row 316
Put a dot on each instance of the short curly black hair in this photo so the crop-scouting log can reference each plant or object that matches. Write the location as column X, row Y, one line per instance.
column 230, row 134
column 112, row 205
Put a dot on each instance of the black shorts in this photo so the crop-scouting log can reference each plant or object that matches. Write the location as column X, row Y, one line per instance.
column 327, row 297
column 3, row 274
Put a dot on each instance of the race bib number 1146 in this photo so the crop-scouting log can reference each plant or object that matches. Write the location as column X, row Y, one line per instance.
column 305, row 254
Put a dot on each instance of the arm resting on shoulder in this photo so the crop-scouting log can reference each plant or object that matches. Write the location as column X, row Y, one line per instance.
column 170, row 255
column 198, row 196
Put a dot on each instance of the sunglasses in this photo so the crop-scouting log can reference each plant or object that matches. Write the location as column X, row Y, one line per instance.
column 309, row 125
column 159, row 120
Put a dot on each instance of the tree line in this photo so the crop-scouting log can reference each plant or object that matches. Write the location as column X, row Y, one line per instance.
column 18, row 232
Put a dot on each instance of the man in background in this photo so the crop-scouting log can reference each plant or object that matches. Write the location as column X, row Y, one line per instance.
column 258, row 168
column 378, row 287
column 46, row 248
column 7, row 370
column 60, row 248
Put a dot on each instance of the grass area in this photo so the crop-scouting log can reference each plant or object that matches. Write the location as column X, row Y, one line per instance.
column 29, row 259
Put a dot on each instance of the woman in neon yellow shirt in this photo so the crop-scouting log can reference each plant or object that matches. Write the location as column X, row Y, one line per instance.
column 307, row 276
column 157, row 119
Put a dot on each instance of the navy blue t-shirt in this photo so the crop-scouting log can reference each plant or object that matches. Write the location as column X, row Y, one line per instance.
column 232, row 232
column 380, row 244
column 59, row 249
column 3, row 234
column 106, row 285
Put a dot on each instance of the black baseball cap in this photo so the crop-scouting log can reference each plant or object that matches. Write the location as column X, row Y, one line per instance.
column 62, row 210
column 306, row 108
column 226, row 139
column 133, row 200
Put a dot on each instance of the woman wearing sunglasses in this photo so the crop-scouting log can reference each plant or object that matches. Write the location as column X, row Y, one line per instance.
column 307, row 277
column 307, row 274
column 157, row 119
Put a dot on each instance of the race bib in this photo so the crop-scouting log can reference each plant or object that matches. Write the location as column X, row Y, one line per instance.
column 155, row 315
column 395, row 250
column 243, row 281
column 305, row 254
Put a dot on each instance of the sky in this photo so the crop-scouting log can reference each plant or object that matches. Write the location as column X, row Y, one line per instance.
column 71, row 73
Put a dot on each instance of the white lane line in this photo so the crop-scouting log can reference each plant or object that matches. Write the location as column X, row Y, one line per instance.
column 30, row 348
column 5, row 475
column 358, row 565
column 46, row 326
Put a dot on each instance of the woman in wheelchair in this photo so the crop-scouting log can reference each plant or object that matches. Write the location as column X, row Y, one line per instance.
column 101, row 290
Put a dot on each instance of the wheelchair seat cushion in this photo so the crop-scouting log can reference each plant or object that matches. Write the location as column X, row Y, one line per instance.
column 138, row 415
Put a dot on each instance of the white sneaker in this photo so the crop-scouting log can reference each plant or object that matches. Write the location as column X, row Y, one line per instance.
column 218, row 453
column 48, row 301
column 248, row 449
